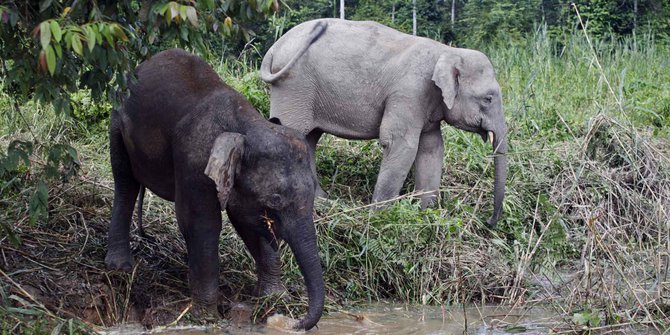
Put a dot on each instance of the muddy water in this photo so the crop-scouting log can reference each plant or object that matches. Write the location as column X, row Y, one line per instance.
column 397, row 319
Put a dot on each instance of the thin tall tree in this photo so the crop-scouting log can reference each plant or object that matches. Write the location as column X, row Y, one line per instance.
column 342, row 9
column 634, row 16
column 414, row 17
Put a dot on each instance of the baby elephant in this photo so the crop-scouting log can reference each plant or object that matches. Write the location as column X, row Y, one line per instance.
column 363, row 80
column 191, row 139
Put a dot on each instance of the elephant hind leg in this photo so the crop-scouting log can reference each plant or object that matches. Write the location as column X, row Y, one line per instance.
column 126, row 188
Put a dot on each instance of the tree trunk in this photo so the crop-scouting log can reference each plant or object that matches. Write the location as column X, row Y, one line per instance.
column 634, row 16
column 414, row 18
column 453, row 13
column 342, row 9
column 393, row 13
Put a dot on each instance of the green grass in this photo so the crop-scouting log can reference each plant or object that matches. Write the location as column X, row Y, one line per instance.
column 586, row 213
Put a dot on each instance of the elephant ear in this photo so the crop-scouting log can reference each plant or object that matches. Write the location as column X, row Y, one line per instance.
column 224, row 163
column 445, row 76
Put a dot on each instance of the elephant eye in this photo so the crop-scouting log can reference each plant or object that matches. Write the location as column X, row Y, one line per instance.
column 488, row 99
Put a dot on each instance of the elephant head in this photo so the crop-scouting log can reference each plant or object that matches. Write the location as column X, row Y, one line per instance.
column 473, row 102
column 270, row 176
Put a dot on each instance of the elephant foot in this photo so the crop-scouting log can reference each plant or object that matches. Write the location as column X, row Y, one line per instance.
column 429, row 200
column 378, row 206
column 264, row 289
column 119, row 260
column 205, row 312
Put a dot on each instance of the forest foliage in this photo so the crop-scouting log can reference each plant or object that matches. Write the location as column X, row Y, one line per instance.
column 476, row 22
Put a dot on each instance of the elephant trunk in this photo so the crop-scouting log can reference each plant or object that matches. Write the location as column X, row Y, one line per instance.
column 500, row 167
column 303, row 244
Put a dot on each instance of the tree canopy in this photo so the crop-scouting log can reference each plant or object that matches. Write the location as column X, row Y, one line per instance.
column 491, row 21
column 51, row 48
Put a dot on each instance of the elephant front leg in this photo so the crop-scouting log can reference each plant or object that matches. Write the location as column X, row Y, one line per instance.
column 428, row 165
column 399, row 138
column 199, row 220
column 268, row 266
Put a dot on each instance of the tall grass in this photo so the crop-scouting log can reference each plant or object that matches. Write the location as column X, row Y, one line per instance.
column 586, row 228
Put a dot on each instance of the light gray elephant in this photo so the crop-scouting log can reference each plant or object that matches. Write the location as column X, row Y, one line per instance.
column 363, row 80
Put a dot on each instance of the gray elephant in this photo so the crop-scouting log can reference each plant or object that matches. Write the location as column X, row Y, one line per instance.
column 363, row 80
column 191, row 139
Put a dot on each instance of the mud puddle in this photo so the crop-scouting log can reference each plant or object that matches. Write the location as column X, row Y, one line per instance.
column 399, row 319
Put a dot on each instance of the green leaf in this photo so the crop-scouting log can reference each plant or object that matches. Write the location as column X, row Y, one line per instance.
column 20, row 300
column 57, row 329
column 268, row 5
column 209, row 4
column 168, row 15
column 68, row 39
column 162, row 9
column 72, row 152
column 24, row 311
column 13, row 18
column 76, row 44
column 118, row 31
column 45, row 34
column 192, row 15
column 587, row 318
column 44, row 4
column 183, row 31
column 59, row 50
column 182, row 12
column 18, row 150
column 9, row 231
column 55, row 30
column 98, row 37
column 90, row 38
column 250, row 13
column 107, row 33
column 51, row 60
column 37, row 208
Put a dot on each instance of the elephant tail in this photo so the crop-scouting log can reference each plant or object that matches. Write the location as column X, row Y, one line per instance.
column 266, row 66
column 140, row 201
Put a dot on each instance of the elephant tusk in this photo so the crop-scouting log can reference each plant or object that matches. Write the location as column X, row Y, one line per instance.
column 491, row 135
